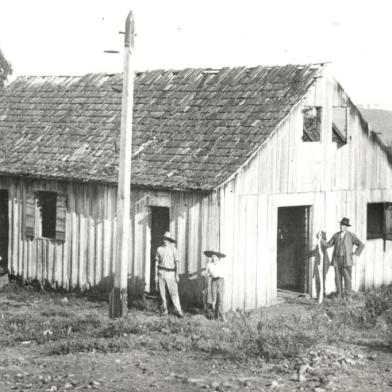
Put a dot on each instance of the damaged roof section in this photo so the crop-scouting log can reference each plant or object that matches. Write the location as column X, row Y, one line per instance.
column 192, row 129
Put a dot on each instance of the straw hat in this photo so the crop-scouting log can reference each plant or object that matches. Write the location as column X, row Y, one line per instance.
column 167, row 236
column 210, row 253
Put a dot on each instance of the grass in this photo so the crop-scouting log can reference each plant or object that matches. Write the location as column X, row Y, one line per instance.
column 81, row 325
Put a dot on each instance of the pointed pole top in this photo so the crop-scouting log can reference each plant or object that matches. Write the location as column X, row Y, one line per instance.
column 129, row 31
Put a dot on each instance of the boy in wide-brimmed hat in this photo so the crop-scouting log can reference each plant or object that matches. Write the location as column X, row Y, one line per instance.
column 216, row 270
column 166, row 272
column 342, row 257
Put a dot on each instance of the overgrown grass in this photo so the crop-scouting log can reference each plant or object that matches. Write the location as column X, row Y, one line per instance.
column 80, row 325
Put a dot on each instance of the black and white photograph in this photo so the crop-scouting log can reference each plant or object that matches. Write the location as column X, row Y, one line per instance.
column 195, row 195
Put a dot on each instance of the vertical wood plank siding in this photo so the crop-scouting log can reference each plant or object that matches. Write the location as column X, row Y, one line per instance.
column 239, row 217
column 86, row 258
column 335, row 182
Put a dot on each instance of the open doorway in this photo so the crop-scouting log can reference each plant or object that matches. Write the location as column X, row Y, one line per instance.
column 293, row 248
column 3, row 230
column 160, row 223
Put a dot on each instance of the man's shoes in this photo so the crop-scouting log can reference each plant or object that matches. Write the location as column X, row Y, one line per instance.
column 180, row 315
column 165, row 313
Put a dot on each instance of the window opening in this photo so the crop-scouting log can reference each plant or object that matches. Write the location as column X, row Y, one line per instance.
column 46, row 203
column 339, row 125
column 311, row 124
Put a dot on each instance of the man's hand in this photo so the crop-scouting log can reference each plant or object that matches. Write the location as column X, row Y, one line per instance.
column 177, row 278
column 156, row 282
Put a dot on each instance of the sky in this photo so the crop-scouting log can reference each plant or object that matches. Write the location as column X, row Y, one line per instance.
column 57, row 37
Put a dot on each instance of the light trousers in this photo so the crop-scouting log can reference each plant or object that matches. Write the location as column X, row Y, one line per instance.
column 167, row 279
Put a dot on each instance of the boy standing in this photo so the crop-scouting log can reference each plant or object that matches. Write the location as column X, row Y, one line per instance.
column 216, row 271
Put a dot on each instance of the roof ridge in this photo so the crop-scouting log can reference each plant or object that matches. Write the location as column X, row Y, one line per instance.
column 252, row 67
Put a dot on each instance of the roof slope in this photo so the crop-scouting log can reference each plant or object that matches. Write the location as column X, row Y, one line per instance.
column 381, row 121
column 192, row 128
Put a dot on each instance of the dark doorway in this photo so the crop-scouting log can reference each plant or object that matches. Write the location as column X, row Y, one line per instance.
column 293, row 248
column 160, row 222
column 3, row 230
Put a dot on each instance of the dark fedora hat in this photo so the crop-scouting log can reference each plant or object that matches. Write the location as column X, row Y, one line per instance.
column 210, row 253
column 345, row 222
column 168, row 237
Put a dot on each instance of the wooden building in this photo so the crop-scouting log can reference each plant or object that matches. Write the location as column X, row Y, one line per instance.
column 251, row 161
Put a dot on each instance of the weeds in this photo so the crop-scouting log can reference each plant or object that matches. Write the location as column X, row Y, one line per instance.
column 80, row 326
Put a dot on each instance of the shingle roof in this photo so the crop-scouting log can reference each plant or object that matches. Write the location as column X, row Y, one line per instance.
column 192, row 129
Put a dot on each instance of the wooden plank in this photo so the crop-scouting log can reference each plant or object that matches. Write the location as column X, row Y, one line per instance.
column 181, row 213
column 242, row 244
column 362, row 208
column 10, row 226
column 227, row 233
column 81, row 239
column 73, row 194
column 18, row 231
column 112, row 200
column 40, row 260
column 194, row 251
column 147, row 250
column 140, row 218
column 59, row 254
column 50, row 260
column 235, row 301
column 67, row 247
column 272, row 259
column 15, row 228
column 107, row 234
column 98, row 219
column 285, row 156
column 90, row 208
column 387, row 263
column 261, row 248
column 205, row 240
column 199, row 249
column 250, row 252
column 293, row 123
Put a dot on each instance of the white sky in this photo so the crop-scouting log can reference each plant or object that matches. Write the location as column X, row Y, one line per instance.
column 42, row 37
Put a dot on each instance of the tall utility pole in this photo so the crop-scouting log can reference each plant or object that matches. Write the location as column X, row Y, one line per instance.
column 118, row 300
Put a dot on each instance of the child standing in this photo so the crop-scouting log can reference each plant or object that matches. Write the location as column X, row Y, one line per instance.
column 216, row 271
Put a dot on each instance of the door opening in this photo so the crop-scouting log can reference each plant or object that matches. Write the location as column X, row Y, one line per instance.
column 293, row 248
column 160, row 223
column 3, row 231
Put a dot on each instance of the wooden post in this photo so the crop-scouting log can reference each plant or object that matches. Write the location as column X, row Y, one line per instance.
column 118, row 300
column 320, row 269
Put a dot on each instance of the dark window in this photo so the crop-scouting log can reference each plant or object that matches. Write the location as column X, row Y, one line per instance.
column 379, row 221
column 46, row 203
column 339, row 125
column 311, row 124
column 375, row 220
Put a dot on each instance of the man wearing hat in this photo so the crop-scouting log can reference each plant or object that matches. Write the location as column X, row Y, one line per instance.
column 342, row 256
column 166, row 272
column 216, row 271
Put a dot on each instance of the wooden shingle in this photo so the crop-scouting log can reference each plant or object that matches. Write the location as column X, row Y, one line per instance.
column 202, row 124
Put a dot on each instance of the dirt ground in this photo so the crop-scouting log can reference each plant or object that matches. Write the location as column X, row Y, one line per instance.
column 27, row 366
column 26, row 369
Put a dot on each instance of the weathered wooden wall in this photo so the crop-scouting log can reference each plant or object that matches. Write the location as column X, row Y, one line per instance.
column 335, row 182
column 239, row 218
column 86, row 258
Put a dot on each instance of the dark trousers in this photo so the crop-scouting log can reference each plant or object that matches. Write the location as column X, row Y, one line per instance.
column 342, row 274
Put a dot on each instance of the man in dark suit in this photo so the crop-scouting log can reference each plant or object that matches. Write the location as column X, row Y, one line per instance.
column 342, row 257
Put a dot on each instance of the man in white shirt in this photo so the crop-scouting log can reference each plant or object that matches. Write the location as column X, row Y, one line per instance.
column 166, row 273
column 216, row 270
